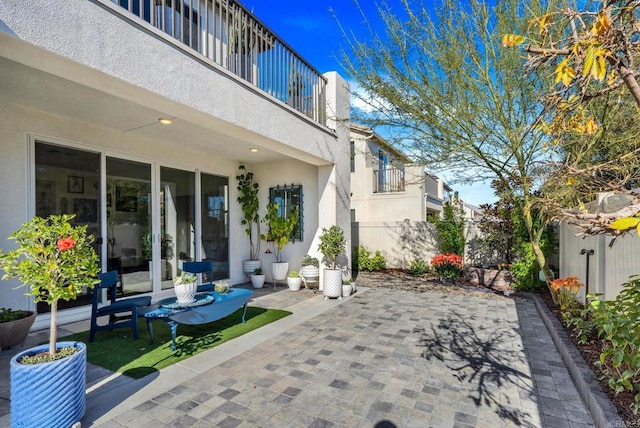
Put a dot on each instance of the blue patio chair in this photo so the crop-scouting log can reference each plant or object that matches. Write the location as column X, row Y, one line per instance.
column 205, row 266
column 127, row 308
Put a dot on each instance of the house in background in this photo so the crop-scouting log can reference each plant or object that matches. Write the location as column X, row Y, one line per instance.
column 136, row 115
column 392, row 199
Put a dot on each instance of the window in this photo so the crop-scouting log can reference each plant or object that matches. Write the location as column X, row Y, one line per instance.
column 288, row 199
column 353, row 156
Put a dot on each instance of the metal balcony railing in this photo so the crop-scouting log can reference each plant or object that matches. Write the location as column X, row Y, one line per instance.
column 228, row 34
column 388, row 180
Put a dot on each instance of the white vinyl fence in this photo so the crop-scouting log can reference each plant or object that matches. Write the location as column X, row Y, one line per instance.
column 608, row 268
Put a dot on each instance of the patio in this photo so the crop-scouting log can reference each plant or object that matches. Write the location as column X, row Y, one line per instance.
column 379, row 358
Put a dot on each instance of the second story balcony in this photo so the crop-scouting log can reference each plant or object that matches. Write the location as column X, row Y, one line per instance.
column 388, row 180
column 226, row 33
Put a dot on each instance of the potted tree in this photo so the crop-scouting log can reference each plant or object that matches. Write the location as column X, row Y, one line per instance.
column 56, row 260
column 332, row 245
column 248, row 200
column 280, row 230
column 294, row 281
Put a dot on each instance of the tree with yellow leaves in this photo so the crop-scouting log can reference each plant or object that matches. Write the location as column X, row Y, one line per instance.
column 592, row 54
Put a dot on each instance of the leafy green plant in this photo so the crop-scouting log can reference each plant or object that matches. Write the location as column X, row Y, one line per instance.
column 332, row 245
column 525, row 270
column 186, row 278
column 280, row 228
column 294, row 274
column 257, row 271
column 7, row 314
column 55, row 259
column 250, row 205
column 418, row 267
column 450, row 229
column 619, row 327
column 307, row 260
column 368, row 263
column 377, row 262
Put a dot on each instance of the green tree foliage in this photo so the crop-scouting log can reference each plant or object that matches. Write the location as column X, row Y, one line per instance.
column 450, row 229
column 449, row 95
column 591, row 50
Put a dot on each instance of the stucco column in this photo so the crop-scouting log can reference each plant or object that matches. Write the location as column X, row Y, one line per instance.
column 334, row 190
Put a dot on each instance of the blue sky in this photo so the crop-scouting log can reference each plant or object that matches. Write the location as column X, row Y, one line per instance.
column 311, row 28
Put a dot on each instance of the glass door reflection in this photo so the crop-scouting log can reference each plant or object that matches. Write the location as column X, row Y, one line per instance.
column 129, row 234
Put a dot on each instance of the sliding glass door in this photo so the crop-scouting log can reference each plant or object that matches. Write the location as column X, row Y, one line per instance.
column 214, row 197
column 67, row 181
column 129, row 232
column 177, row 221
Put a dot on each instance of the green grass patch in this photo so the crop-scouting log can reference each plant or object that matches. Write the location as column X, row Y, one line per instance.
column 117, row 351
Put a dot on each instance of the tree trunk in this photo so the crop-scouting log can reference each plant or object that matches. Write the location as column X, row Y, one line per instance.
column 53, row 334
column 548, row 275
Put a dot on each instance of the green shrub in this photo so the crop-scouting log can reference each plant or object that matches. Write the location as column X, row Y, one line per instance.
column 525, row 270
column 378, row 262
column 619, row 327
column 367, row 263
column 418, row 267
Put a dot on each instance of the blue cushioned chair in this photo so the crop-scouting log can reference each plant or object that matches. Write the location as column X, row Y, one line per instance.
column 205, row 266
column 126, row 307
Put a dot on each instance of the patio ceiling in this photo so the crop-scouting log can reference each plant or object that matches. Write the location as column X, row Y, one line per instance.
column 33, row 88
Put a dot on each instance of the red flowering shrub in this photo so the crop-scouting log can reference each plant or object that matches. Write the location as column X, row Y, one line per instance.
column 447, row 265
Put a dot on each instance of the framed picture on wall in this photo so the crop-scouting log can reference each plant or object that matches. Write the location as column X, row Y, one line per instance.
column 86, row 210
column 75, row 184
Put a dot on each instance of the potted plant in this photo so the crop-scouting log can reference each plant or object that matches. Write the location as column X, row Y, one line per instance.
column 347, row 287
column 257, row 278
column 294, row 280
column 280, row 230
column 332, row 245
column 248, row 200
column 14, row 326
column 310, row 269
column 57, row 261
column 185, row 287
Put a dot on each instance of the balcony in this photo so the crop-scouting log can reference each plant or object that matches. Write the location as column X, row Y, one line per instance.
column 388, row 180
column 227, row 34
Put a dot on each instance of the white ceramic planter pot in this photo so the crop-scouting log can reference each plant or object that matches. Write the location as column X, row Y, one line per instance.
column 185, row 293
column 332, row 283
column 310, row 273
column 279, row 270
column 294, row 283
column 346, row 290
column 249, row 266
column 257, row 281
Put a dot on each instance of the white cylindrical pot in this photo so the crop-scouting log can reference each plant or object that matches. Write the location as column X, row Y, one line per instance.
column 310, row 273
column 294, row 283
column 185, row 293
column 279, row 270
column 346, row 290
column 257, row 281
column 332, row 283
column 249, row 266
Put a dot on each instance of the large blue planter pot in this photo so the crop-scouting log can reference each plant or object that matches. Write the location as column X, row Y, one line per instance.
column 50, row 394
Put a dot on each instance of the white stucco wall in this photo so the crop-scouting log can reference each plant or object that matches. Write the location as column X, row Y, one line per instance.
column 83, row 43
column 91, row 46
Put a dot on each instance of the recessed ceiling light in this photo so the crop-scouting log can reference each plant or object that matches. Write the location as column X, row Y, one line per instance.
column 253, row 149
column 165, row 121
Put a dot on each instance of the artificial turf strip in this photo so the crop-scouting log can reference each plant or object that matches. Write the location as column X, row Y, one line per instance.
column 117, row 351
